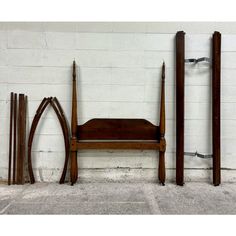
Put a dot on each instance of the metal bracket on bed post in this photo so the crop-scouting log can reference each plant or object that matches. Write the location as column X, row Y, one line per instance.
column 197, row 60
column 196, row 154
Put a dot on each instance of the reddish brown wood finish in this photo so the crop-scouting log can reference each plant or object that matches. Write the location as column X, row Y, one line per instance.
column 121, row 133
column 33, row 127
column 73, row 154
column 216, row 77
column 14, row 138
column 161, row 172
column 117, row 145
column 180, row 67
column 65, row 129
column 118, row 129
column 21, row 139
column 10, row 140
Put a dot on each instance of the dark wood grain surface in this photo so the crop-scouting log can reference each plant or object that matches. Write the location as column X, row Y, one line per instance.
column 180, row 67
column 216, row 81
column 118, row 129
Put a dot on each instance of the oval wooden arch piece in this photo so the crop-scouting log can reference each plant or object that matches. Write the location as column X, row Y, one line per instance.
column 64, row 125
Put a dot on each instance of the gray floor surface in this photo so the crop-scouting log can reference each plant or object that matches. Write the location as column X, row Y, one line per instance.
column 118, row 198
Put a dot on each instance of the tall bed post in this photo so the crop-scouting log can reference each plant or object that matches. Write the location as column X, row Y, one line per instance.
column 216, row 61
column 73, row 153
column 180, row 56
column 161, row 169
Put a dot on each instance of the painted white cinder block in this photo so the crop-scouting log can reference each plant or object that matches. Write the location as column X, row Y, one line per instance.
column 127, row 59
column 24, row 57
column 128, row 42
column 93, row 58
column 99, row 76
column 88, row 41
column 26, row 39
column 56, row 40
column 3, row 39
column 159, row 42
column 154, row 59
column 127, row 93
column 228, row 60
column 228, row 43
column 3, row 57
column 119, row 76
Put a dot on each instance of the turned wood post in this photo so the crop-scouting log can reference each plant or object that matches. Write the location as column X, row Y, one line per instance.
column 74, row 164
column 162, row 174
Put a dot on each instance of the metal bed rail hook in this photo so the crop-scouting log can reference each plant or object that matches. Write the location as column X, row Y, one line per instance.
column 193, row 154
column 197, row 60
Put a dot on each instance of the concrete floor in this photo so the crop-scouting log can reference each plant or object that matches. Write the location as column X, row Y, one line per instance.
column 118, row 198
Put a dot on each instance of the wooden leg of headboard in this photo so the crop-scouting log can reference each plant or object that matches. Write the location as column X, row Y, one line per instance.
column 73, row 153
column 73, row 167
column 161, row 173
column 161, row 169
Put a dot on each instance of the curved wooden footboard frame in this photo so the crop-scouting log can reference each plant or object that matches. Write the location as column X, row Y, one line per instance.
column 117, row 133
column 65, row 129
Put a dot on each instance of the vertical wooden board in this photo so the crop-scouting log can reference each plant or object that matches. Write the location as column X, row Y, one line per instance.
column 21, row 140
column 180, row 67
column 216, row 81
column 10, row 140
column 24, row 140
column 14, row 138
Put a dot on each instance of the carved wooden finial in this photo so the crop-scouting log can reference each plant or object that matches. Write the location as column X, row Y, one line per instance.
column 163, row 70
column 74, row 69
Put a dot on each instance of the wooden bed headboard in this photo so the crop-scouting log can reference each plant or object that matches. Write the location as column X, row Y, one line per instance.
column 117, row 133
column 118, row 129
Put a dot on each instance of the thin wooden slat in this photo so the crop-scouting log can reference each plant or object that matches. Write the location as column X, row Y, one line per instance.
column 216, row 80
column 21, row 139
column 180, row 70
column 14, row 138
column 118, row 129
column 119, row 145
column 24, row 139
column 10, row 140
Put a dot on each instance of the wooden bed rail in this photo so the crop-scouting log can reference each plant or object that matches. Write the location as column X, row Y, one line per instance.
column 216, row 85
column 117, row 133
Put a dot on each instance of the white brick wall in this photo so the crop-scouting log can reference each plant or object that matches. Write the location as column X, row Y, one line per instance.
column 119, row 76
